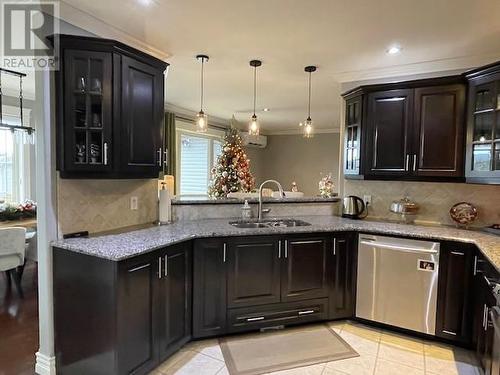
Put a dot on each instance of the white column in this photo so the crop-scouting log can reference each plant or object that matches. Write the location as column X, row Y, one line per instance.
column 46, row 218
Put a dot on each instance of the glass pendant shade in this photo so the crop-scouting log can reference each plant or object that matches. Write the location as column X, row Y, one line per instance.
column 253, row 127
column 201, row 122
column 308, row 128
column 308, row 124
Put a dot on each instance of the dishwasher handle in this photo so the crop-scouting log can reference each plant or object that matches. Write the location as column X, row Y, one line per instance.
column 406, row 249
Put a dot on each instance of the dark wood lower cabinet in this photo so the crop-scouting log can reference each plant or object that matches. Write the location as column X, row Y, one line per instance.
column 253, row 271
column 120, row 317
column 454, row 307
column 137, row 315
column 175, row 299
column 342, row 295
column 128, row 316
column 305, row 269
column 209, row 287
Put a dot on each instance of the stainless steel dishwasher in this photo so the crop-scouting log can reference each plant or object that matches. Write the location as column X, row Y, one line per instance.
column 397, row 282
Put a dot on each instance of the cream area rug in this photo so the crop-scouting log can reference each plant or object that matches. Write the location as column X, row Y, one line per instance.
column 259, row 353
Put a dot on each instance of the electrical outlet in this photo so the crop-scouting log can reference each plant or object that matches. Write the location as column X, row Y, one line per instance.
column 134, row 203
column 367, row 199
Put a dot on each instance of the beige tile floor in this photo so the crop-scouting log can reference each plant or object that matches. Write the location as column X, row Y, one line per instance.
column 381, row 353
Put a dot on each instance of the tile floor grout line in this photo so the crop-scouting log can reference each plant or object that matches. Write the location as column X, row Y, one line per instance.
column 209, row 356
column 378, row 350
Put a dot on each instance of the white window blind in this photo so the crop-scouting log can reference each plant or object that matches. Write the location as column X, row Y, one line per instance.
column 196, row 155
column 16, row 160
column 6, row 165
column 194, row 164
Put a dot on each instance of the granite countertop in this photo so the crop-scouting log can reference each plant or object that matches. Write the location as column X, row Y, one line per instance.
column 207, row 200
column 121, row 246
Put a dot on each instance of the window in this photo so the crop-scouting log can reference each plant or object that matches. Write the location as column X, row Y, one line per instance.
column 16, row 159
column 196, row 154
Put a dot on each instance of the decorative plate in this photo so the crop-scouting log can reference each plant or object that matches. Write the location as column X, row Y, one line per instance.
column 463, row 213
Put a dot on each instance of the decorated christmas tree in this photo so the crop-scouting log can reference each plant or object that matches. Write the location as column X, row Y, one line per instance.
column 231, row 173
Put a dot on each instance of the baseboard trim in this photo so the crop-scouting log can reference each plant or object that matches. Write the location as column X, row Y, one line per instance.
column 45, row 365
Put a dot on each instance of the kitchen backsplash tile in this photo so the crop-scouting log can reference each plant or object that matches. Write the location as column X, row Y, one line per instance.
column 101, row 205
column 435, row 199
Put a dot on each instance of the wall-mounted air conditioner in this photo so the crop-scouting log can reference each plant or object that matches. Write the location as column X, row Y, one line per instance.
column 258, row 141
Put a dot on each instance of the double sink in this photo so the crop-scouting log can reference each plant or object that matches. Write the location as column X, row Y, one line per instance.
column 269, row 223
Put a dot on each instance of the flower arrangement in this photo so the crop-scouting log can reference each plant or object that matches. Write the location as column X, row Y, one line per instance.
column 326, row 186
column 13, row 211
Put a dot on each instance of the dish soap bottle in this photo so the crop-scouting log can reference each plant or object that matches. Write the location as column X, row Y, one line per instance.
column 246, row 211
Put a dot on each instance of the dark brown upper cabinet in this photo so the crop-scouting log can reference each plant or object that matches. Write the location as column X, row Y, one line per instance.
column 110, row 100
column 483, row 125
column 406, row 131
column 438, row 148
column 388, row 135
column 352, row 139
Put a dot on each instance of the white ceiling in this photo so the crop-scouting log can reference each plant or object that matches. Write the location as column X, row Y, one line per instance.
column 346, row 39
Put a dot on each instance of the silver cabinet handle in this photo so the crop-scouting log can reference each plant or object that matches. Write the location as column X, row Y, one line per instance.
column 407, row 162
column 334, row 246
column 255, row 319
column 484, row 317
column 139, row 268
column 414, row 162
column 286, row 249
column 166, row 265
column 457, row 253
column 306, row 312
column 449, row 332
column 159, row 156
column 279, row 249
column 475, row 265
column 488, row 282
column 224, row 249
column 105, row 161
column 486, row 313
column 165, row 158
column 159, row 267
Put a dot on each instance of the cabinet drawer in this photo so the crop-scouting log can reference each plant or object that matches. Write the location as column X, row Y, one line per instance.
column 248, row 318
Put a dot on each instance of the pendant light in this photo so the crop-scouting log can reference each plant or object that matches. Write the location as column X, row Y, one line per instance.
column 308, row 124
column 201, row 120
column 253, row 127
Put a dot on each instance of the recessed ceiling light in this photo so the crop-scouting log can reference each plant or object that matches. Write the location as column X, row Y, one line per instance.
column 266, row 109
column 145, row 2
column 393, row 50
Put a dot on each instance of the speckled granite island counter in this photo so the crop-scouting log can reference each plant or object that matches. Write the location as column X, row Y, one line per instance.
column 125, row 245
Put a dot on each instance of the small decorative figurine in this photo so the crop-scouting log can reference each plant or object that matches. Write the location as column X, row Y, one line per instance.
column 294, row 188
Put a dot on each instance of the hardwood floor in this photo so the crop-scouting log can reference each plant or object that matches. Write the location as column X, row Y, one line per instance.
column 19, row 325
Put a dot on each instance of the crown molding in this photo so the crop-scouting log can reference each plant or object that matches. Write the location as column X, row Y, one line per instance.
column 433, row 66
column 92, row 24
column 299, row 132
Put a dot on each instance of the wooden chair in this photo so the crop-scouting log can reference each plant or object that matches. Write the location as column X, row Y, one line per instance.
column 12, row 252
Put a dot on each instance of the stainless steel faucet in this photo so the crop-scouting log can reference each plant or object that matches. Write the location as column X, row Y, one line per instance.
column 280, row 188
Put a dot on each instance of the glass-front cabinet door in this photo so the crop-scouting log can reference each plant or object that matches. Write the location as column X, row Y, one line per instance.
column 87, row 110
column 352, row 136
column 483, row 138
